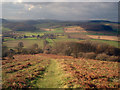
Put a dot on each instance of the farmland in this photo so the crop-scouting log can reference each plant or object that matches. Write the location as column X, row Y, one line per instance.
column 61, row 32
column 54, row 71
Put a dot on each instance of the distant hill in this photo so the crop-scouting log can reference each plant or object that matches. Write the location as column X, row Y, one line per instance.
column 102, row 21
column 99, row 21
column 3, row 20
column 30, row 25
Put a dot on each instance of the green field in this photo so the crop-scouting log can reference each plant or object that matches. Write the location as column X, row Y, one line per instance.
column 56, row 30
column 27, row 43
column 112, row 43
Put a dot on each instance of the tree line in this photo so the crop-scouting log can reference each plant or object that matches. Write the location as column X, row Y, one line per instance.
column 85, row 49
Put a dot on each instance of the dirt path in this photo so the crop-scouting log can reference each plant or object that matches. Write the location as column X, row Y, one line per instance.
column 53, row 77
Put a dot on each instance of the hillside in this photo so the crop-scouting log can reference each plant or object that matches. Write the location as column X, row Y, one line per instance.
column 54, row 71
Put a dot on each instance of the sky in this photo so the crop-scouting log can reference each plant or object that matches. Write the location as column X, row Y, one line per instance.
column 60, row 0
column 61, row 10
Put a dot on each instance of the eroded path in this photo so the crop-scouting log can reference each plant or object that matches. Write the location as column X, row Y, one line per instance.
column 53, row 77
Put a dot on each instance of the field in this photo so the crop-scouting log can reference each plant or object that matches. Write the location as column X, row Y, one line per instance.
column 70, row 33
column 54, row 71
column 112, row 43
column 74, row 29
column 112, row 38
column 27, row 42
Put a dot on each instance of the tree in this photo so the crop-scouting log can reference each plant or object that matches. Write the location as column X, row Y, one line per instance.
column 35, row 46
column 38, row 36
column 20, row 47
column 33, row 35
column 20, row 44
column 25, row 36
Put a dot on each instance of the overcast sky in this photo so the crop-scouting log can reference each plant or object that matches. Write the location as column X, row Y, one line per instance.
column 61, row 10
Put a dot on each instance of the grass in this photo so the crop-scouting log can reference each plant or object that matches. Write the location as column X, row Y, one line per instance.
column 113, row 43
column 53, row 77
column 27, row 42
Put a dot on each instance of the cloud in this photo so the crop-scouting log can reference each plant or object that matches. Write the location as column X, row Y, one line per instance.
column 61, row 10
column 29, row 7
column 60, row 0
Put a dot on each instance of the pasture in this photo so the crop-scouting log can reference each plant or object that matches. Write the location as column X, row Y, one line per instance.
column 27, row 42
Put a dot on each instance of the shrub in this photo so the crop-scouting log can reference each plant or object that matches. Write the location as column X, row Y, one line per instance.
column 61, row 48
column 112, row 51
column 5, row 51
column 90, row 55
column 10, row 56
column 100, row 48
column 32, row 51
column 39, row 50
column 114, row 58
column 80, row 54
column 25, row 51
column 35, row 51
column 102, row 56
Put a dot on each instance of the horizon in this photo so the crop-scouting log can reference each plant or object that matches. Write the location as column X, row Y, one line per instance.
column 57, row 20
